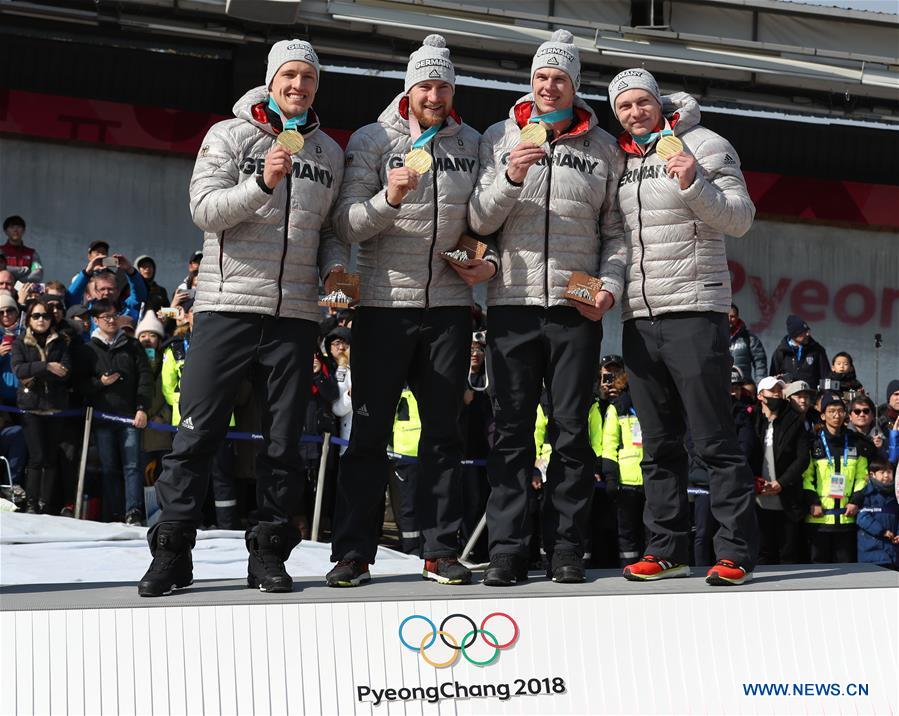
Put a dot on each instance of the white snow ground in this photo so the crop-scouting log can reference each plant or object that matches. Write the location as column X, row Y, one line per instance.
column 45, row 549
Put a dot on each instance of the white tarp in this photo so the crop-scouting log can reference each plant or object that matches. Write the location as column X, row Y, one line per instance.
column 43, row 549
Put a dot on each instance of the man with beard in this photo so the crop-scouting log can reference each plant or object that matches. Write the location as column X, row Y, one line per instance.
column 267, row 242
column 554, row 205
column 414, row 303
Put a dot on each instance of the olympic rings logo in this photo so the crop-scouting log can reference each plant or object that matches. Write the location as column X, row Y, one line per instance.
column 471, row 636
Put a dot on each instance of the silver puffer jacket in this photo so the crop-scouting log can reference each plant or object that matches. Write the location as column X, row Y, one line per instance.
column 262, row 252
column 399, row 261
column 675, row 239
column 563, row 218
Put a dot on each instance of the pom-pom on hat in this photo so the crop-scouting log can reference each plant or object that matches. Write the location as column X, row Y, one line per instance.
column 559, row 53
column 431, row 61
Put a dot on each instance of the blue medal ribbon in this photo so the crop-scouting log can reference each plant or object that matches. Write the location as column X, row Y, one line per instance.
column 293, row 122
column 426, row 136
column 645, row 139
column 550, row 117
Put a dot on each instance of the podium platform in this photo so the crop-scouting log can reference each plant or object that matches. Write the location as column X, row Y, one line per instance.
column 798, row 639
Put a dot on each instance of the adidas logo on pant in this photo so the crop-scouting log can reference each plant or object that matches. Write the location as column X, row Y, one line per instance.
column 187, row 423
column 363, row 411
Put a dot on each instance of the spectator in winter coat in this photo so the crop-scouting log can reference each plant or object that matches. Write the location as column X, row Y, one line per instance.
column 842, row 371
column 878, row 519
column 888, row 412
column 780, row 505
column 119, row 381
column 157, row 296
column 834, row 483
column 799, row 356
column 22, row 261
column 42, row 363
column 746, row 349
column 7, row 283
column 9, row 323
column 337, row 346
column 96, row 283
column 861, row 421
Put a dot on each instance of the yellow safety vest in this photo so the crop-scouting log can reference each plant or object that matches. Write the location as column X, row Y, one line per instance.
column 594, row 425
column 407, row 432
column 816, row 478
column 618, row 446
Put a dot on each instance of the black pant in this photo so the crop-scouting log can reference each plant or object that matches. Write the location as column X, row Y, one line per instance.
column 429, row 349
column 704, row 528
column 529, row 347
column 833, row 546
column 631, row 532
column 42, row 435
column 679, row 366
column 224, row 348
column 403, row 483
column 475, row 490
column 780, row 538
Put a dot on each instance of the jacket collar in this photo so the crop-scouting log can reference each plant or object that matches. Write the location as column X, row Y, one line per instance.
column 682, row 112
column 584, row 117
column 396, row 116
column 252, row 107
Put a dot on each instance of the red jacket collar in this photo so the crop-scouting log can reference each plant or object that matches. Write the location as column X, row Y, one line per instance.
column 260, row 114
column 524, row 110
column 404, row 110
column 627, row 143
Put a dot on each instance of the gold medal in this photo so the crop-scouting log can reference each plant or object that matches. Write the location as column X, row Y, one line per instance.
column 668, row 146
column 291, row 140
column 533, row 132
column 418, row 160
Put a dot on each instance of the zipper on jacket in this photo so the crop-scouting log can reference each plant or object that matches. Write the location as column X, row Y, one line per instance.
column 549, row 187
column 284, row 248
column 434, row 230
column 222, row 261
column 642, row 246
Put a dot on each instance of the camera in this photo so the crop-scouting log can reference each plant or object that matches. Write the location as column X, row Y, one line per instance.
column 110, row 262
column 828, row 384
column 607, row 378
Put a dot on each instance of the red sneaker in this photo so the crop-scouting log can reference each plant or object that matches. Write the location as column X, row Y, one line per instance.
column 650, row 568
column 726, row 573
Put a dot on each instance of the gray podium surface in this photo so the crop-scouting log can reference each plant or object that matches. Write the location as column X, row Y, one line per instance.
column 311, row 590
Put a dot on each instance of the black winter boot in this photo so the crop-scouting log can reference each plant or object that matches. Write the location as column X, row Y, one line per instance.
column 33, row 489
column 269, row 547
column 172, row 566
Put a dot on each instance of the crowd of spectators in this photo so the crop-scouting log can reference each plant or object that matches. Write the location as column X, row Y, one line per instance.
column 823, row 450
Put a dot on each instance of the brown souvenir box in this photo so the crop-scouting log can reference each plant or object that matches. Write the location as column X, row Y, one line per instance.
column 470, row 246
column 345, row 292
column 583, row 287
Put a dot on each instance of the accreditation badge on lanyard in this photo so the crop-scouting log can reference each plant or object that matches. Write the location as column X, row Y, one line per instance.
column 837, row 489
column 636, row 430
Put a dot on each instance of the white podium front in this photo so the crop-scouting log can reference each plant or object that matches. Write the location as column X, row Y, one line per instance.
column 803, row 639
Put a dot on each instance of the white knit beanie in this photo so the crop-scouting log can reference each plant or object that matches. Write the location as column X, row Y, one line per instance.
column 559, row 53
column 149, row 323
column 288, row 51
column 431, row 61
column 636, row 78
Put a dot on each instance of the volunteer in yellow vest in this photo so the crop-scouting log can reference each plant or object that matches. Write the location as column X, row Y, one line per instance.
column 834, row 483
column 404, row 479
column 622, row 451
column 174, row 353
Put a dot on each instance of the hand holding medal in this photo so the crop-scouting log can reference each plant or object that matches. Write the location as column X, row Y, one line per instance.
column 679, row 163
